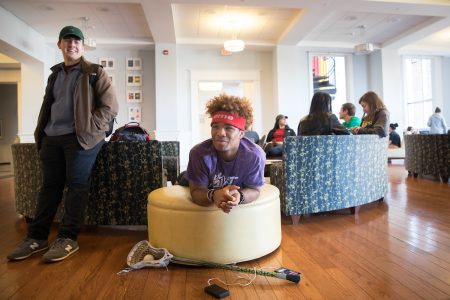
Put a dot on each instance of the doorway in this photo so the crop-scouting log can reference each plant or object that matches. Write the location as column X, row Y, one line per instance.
column 8, row 126
column 241, row 84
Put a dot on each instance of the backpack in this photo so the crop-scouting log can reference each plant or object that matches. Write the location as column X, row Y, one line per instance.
column 130, row 132
column 93, row 76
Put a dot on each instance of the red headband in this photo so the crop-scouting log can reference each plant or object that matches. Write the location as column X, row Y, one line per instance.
column 228, row 118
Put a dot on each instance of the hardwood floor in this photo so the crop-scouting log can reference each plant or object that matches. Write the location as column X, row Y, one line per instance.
column 398, row 249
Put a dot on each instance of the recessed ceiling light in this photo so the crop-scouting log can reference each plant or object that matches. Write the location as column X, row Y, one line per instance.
column 392, row 19
column 102, row 9
column 46, row 7
column 350, row 18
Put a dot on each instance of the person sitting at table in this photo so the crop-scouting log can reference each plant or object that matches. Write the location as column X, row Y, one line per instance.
column 394, row 137
column 376, row 117
column 347, row 113
column 276, row 136
column 252, row 135
column 320, row 120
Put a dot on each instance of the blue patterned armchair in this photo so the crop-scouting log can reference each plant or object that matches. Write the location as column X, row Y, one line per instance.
column 325, row 173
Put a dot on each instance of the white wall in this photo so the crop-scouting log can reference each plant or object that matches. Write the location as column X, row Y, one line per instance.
column 166, row 92
column 392, row 93
column 292, row 85
column 375, row 74
column 437, row 86
column 120, row 72
column 446, row 89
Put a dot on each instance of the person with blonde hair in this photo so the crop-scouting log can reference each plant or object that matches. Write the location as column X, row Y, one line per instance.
column 227, row 169
column 376, row 116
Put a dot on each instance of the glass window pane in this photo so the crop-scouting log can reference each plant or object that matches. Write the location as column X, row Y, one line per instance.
column 418, row 91
column 329, row 77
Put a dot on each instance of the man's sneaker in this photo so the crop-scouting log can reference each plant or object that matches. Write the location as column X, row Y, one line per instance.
column 27, row 248
column 61, row 249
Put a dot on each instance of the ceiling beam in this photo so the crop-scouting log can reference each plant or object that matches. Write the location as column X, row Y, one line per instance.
column 160, row 20
column 418, row 32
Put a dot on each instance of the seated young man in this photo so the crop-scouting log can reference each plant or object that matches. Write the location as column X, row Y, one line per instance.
column 347, row 113
column 227, row 169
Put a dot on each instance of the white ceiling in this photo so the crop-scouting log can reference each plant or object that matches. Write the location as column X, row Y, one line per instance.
column 413, row 25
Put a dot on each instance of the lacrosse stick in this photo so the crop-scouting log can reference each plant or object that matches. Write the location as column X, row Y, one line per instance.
column 291, row 276
column 145, row 255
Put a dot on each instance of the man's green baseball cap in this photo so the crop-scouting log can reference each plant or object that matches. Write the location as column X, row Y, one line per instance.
column 71, row 30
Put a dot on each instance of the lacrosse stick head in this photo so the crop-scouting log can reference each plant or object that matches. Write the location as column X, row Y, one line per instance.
column 145, row 255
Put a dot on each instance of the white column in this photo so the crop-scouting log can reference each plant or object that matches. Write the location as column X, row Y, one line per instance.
column 292, row 84
column 166, row 92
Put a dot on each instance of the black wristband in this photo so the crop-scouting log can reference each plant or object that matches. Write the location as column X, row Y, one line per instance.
column 242, row 198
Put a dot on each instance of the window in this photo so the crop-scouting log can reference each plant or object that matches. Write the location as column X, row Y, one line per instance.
column 418, row 91
column 329, row 77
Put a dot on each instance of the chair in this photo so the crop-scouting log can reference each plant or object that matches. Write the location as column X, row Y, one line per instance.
column 428, row 155
column 124, row 174
column 262, row 141
column 324, row 173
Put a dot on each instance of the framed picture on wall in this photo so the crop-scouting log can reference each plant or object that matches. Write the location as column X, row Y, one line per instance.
column 134, row 63
column 107, row 63
column 134, row 114
column 134, row 79
column 134, row 96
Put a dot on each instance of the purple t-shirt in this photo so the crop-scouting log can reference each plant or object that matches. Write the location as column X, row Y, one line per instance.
column 207, row 169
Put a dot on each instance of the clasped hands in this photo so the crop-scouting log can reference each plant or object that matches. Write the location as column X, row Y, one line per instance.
column 355, row 130
column 227, row 197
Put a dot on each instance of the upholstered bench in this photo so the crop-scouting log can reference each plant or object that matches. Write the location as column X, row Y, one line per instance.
column 196, row 232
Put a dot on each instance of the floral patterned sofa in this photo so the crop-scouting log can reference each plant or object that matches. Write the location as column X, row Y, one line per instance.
column 123, row 176
column 325, row 173
column 428, row 154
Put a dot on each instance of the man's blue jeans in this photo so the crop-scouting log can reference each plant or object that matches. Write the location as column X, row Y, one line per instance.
column 63, row 162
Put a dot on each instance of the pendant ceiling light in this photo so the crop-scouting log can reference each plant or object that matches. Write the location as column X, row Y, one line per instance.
column 234, row 26
column 364, row 47
column 234, row 45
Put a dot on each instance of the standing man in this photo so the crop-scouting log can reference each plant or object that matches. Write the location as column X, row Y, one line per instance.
column 79, row 103
column 347, row 113
column 227, row 169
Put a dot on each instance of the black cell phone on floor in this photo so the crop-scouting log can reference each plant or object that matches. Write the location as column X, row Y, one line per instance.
column 217, row 291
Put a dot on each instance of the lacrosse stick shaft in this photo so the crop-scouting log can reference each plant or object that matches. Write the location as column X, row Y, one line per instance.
column 293, row 278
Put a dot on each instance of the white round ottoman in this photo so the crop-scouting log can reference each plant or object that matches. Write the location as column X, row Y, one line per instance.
column 196, row 232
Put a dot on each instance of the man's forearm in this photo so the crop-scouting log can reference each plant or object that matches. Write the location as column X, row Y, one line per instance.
column 200, row 196
column 250, row 195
